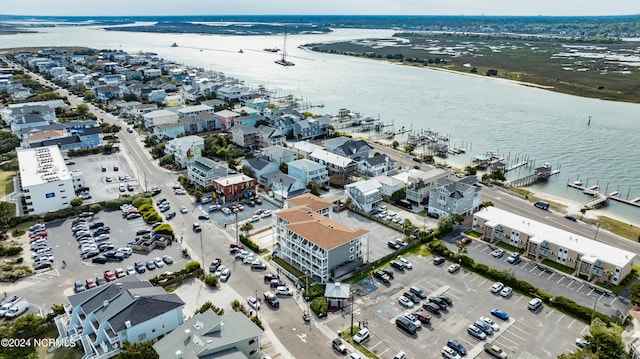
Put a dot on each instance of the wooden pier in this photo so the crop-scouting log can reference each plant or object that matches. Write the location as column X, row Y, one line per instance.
column 600, row 199
column 541, row 173
column 516, row 166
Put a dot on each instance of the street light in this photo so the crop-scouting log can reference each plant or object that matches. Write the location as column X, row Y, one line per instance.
column 237, row 230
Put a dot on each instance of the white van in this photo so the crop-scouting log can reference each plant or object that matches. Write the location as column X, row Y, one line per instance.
column 17, row 309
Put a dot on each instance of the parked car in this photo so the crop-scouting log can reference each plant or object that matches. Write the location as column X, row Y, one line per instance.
column 225, row 275
column 486, row 328
column 381, row 276
column 393, row 245
column 271, row 299
column 90, row 283
column 534, row 304
column 253, row 303
column 497, row 287
column 431, row 307
column 167, row 259
column 450, row 353
column 258, row 265
column 506, row 292
column 495, row 350
column 500, row 314
column 170, row 215
column 476, row 332
column 414, row 298
column 423, row 316
column 514, row 258
column 362, row 336
column 109, row 276
column 494, row 326
column 455, row 345
column 284, row 291
column 497, row 253
column 99, row 260
column 204, row 217
column 17, row 309
column 139, row 266
column 120, row 273
column 397, row 266
column 339, row 346
column 214, row 265
column 439, row 302
column 151, row 265
column 405, row 302
column 454, row 268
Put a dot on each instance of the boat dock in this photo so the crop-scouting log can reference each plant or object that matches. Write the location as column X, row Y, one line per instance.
column 541, row 173
column 516, row 166
column 600, row 198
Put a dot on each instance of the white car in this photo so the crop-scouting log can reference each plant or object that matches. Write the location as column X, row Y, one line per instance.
column 497, row 253
column 497, row 287
column 413, row 319
column 405, row 263
column 158, row 262
column 266, row 214
column 183, row 209
column 490, row 323
column 225, row 210
column 224, row 276
column 506, row 292
column 254, row 218
column 219, row 270
column 253, row 303
column 241, row 254
column 405, row 302
column 248, row 259
column 362, row 336
column 130, row 270
column 450, row 353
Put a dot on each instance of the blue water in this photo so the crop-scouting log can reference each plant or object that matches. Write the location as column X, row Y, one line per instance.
column 481, row 113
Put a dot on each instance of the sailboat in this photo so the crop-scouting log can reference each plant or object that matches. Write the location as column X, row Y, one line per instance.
column 283, row 61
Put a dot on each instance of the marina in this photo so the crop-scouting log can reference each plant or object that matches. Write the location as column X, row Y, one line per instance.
column 601, row 199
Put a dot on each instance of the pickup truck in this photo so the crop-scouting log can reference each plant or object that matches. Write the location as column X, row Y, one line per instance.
column 384, row 277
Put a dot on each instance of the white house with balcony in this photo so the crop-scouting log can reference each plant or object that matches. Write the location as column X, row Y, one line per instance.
column 185, row 149
column 364, row 195
column 203, row 171
column 317, row 245
column 308, row 171
column 128, row 309
column 460, row 196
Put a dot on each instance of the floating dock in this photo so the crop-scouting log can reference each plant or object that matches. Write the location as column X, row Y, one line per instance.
column 600, row 199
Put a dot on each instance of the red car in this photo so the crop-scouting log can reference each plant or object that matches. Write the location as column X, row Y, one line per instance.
column 109, row 276
column 466, row 240
column 38, row 234
column 258, row 212
column 90, row 283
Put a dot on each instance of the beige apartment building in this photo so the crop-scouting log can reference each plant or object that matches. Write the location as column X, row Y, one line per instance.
column 591, row 260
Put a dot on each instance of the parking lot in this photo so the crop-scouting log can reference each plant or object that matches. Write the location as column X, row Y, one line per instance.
column 525, row 335
column 549, row 279
column 66, row 248
column 100, row 188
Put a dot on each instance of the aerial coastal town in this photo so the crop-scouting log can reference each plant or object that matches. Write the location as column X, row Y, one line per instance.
column 293, row 238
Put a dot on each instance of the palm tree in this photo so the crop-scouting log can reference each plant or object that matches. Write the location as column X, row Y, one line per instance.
column 246, row 228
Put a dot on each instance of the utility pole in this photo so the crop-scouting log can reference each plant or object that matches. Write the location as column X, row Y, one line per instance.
column 237, row 230
column 202, row 252
column 351, row 327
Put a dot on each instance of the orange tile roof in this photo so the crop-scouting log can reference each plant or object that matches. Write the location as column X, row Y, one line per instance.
column 319, row 229
column 310, row 201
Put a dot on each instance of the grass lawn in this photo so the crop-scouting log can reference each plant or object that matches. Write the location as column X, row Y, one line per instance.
column 6, row 182
column 558, row 266
column 472, row 233
column 622, row 229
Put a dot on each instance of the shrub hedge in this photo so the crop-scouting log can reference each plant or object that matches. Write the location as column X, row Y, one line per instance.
column 320, row 306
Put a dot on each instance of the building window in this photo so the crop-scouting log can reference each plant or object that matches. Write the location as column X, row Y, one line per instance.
column 351, row 257
column 142, row 337
column 153, row 330
column 351, row 250
column 252, row 341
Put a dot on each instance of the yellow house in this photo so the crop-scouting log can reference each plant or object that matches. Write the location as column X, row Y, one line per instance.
column 591, row 260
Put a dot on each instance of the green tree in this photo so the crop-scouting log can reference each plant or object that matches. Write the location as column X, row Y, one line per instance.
column 138, row 350
column 89, row 96
column 248, row 171
column 395, row 145
column 7, row 211
column 470, row 171
column 486, row 204
column 409, row 148
column 604, row 341
column 246, row 228
column 76, row 202
column 284, row 168
column 445, row 224
column 634, row 289
column 399, row 194
column 83, row 109
column 233, row 163
column 211, row 280
column 208, row 305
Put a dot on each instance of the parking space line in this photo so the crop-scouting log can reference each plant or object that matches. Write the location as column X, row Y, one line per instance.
column 592, row 289
column 483, row 282
column 586, row 328
column 560, row 280
column 552, row 274
column 548, row 314
column 375, row 345
column 473, row 279
column 524, row 265
column 612, row 300
column 580, row 287
column 505, row 338
column 570, row 324
column 520, row 298
column 559, row 319
column 541, row 273
column 532, row 269
column 603, row 294
column 570, row 283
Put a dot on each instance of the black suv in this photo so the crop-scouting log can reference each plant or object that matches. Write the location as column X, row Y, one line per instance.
column 393, row 245
column 431, row 307
column 438, row 261
column 269, row 277
column 95, row 225
column 381, row 275
column 388, row 272
column 397, row 266
column 439, row 302
column 414, row 298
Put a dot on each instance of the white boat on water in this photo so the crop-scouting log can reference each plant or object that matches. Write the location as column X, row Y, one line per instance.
column 577, row 183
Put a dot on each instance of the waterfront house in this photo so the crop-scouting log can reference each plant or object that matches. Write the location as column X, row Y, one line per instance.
column 591, row 260
column 101, row 319
column 312, row 128
column 279, row 154
column 234, row 187
column 454, row 196
column 389, row 185
column 229, row 93
column 316, row 245
column 185, row 149
column 420, row 183
column 364, row 195
column 308, row 171
column 203, row 171
column 208, row 335
column 258, row 103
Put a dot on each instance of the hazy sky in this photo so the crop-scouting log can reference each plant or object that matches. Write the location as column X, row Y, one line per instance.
column 363, row 7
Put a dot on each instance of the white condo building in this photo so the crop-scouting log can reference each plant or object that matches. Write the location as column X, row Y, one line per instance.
column 46, row 182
